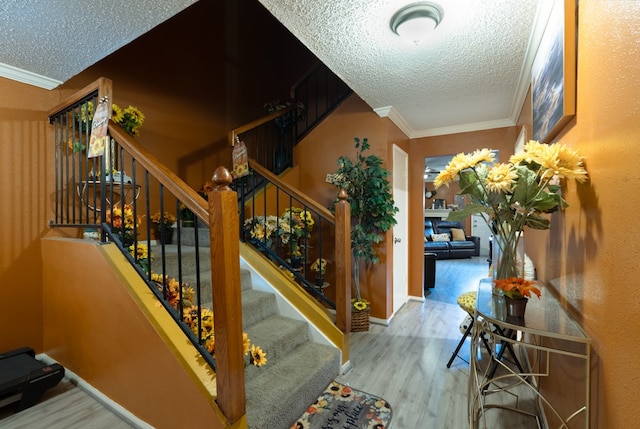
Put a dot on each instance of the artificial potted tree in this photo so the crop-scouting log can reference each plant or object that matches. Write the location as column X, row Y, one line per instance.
column 372, row 215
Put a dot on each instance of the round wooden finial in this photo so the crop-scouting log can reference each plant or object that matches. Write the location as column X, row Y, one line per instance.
column 342, row 194
column 222, row 179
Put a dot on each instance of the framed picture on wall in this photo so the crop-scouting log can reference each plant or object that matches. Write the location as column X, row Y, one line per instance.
column 553, row 74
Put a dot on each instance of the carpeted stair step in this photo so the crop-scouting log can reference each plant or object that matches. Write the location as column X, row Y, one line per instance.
column 282, row 392
column 256, row 306
column 297, row 371
column 188, row 234
column 188, row 259
column 245, row 279
column 205, row 283
column 278, row 336
column 187, row 254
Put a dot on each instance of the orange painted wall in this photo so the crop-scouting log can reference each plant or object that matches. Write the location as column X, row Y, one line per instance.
column 591, row 253
column 317, row 155
column 27, row 206
column 96, row 329
column 199, row 75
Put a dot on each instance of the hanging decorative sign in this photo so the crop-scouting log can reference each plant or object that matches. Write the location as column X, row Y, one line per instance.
column 98, row 139
column 240, row 159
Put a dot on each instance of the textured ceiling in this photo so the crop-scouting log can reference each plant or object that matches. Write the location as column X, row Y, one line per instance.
column 45, row 42
column 471, row 74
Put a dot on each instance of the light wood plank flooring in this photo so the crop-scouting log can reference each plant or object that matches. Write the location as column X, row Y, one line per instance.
column 64, row 406
column 405, row 363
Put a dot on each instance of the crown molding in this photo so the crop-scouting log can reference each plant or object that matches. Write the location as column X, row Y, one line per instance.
column 27, row 77
column 478, row 126
column 395, row 117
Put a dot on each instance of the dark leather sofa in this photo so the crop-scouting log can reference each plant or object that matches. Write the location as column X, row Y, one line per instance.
column 451, row 249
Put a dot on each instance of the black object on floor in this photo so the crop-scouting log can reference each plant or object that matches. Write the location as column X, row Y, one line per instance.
column 429, row 271
column 24, row 379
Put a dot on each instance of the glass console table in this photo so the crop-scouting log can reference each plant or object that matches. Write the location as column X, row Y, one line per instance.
column 523, row 355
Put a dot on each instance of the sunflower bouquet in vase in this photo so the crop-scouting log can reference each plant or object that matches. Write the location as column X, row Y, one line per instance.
column 513, row 195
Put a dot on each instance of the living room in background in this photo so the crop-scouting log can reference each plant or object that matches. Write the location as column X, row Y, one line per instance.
column 436, row 210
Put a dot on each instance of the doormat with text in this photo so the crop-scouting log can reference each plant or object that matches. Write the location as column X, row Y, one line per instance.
column 342, row 407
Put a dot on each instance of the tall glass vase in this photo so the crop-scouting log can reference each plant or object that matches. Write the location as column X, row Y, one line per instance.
column 507, row 256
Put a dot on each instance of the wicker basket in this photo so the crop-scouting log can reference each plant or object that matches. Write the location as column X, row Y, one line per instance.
column 360, row 320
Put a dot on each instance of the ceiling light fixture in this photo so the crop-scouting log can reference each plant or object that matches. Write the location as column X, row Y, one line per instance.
column 414, row 21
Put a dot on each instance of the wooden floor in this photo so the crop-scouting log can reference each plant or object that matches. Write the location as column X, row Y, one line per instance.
column 404, row 363
column 65, row 406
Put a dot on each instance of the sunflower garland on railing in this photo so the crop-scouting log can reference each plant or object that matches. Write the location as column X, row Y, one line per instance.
column 121, row 219
column 172, row 293
column 130, row 119
column 140, row 252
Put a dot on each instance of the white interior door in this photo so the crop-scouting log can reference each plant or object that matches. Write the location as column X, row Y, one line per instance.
column 400, row 234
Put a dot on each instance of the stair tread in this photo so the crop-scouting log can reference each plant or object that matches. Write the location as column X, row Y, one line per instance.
column 277, row 396
column 297, row 369
column 277, row 336
column 257, row 305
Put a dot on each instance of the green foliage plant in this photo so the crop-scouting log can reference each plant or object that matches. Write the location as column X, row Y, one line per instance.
column 372, row 206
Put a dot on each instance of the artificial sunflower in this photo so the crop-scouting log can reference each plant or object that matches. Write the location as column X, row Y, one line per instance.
column 512, row 195
column 258, row 356
column 359, row 305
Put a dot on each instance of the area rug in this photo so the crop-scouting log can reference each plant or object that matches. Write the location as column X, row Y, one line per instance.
column 342, row 407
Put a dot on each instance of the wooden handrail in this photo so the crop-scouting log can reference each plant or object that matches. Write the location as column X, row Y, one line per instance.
column 183, row 192
column 255, row 124
column 103, row 86
column 304, row 77
column 342, row 222
column 296, row 193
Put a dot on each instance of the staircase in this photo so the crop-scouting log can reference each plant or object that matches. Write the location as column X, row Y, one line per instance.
column 297, row 370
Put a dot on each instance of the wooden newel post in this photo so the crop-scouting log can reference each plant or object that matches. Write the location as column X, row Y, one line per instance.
column 343, row 262
column 227, row 302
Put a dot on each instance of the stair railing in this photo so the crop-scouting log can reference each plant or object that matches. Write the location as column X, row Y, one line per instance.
column 117, row 206
column 320, row 91
column 296, row 234
column 264, row 198
column 270, row 140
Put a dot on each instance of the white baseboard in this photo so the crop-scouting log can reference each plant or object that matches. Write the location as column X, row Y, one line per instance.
column 107, row 402
column 346, row 367
column 383, row 322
